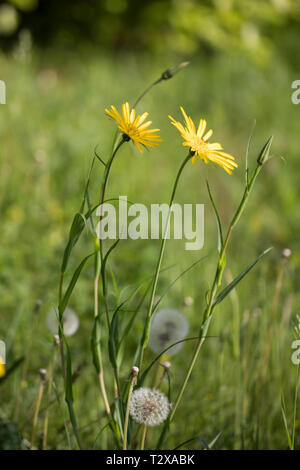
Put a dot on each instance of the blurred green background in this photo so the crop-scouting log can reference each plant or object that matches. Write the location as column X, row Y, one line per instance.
column 63, row 63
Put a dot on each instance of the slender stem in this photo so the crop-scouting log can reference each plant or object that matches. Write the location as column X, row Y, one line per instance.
column 98, row 271
column 99, row 355
column 146, row 91
column 102, row 198
column 145, row 337
column 99, row 259
column 61, row 341
column 185, row 382
column 134, row 374
column 103, row 390
column 127, row 418
column 143, row 437
column 37, row 409
column 50, row 380
column 214, row 288
column 295, row 408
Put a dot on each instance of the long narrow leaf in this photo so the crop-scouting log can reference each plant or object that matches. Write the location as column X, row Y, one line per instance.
column 69, row 385
column 98, row 156
column 78, row 224
column 212, row 443
column 232, row 285
column 11, row 369
column 196, row 438
column 133, row 317
column 144, row 375
column 283, row 411
column 66, row 296
column 175, row 280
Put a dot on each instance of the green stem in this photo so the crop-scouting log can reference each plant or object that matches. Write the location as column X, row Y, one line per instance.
column 36, row 411
column 217, row 280
column 145, row 336
column 132, row 384
column 295, row 408
column 99, row 259
column 146, row 91
column 98, row 272
column 143, row 437
column 50, row 381
column 61, row 341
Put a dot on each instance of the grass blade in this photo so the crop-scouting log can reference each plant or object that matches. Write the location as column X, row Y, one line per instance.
column 11, row 369
column 144, row 375
column 175, row 280
column 283, row 411
column 196, row 438
column 232, row 285
column 66, row 296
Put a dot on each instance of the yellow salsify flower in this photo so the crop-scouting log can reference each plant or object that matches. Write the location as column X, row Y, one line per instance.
column 2, row 368
column 196, row 140
column 134, row 128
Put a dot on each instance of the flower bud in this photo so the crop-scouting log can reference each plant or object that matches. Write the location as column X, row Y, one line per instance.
column 169, row 73
column 264, row 154
column 43, row 375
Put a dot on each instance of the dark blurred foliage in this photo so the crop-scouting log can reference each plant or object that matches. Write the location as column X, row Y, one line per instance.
column 256, row 28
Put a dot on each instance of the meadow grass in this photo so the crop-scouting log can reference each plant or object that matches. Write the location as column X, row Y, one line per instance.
column 52, row 122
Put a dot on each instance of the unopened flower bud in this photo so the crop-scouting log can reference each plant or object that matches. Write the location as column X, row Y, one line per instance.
column 56, row 340
column 166, row 365
column 169, row 73
column 134, row 371
column 286, row 253
column 43, row 373
column 37, row 306
column 134, row 374
column 264, row 154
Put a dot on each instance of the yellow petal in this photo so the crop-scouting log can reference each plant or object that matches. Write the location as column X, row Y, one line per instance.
column 201, row 128
column 207, row 135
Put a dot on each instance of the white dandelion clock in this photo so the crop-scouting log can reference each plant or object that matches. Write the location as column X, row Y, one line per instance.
column 70, row 321
column 168, row 326
column 149, row 406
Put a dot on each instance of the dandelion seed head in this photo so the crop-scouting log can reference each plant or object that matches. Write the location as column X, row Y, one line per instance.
column 168, row 326
column 70, row 322
column 149, row 406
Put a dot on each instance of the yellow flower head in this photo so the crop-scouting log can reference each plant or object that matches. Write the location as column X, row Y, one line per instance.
column 196, row 140
column 134, row 127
